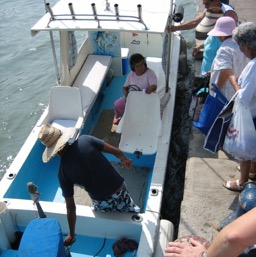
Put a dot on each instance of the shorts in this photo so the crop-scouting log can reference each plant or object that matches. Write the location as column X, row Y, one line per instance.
column 120, row 201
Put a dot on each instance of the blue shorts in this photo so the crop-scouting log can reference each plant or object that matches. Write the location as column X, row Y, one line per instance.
column 120, row 201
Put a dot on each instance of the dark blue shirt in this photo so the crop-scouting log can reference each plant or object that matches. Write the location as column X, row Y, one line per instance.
column 84, row 164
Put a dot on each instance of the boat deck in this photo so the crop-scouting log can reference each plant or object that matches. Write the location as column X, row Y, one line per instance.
column 137, row 178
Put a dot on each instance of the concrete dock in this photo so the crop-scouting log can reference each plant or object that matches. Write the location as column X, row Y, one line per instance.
column 206, row 202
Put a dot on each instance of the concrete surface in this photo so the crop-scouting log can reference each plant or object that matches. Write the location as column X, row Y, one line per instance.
column 206, row 202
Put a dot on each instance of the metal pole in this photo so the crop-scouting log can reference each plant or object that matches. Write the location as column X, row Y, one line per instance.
column 48, row 8
column 117, row 11
column 169, row 49
column 107, row 6
column 70, row 5
column 94, row 11
column 139, row 12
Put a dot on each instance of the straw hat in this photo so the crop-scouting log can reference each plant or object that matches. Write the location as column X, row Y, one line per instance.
column 223, row 27
column 54, row 140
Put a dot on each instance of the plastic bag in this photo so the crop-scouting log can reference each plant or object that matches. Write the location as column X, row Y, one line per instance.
column 240, row 140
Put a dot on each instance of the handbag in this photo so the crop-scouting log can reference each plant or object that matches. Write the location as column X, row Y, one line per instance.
column 240, row 140
column 216, row 135
column 212, row 107
column 198, row 99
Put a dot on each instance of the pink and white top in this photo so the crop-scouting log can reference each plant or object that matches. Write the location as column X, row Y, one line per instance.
column 144, row 81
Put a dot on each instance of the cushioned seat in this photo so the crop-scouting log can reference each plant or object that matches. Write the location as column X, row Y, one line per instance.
column 91, row 78
column 42, row 237
column 65, row 109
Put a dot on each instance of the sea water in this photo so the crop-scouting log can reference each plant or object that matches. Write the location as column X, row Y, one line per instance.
column 27, row 71
column 26, row 74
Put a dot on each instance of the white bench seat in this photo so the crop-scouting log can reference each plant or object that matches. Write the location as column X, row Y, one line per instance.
column 91, row 78
column 141, row 124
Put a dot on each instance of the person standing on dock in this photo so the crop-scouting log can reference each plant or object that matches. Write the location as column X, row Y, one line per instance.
column 83, row 164
column 206, row 20
column 203, row 23
column 245, row 36
column 229, row 59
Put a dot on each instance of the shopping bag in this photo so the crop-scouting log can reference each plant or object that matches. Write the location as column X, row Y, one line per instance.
column 240, row 140
column 215, row 137
column 212, row 107
column 198, row 98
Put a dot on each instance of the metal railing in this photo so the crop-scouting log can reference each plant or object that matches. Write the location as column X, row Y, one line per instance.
column 95, row 16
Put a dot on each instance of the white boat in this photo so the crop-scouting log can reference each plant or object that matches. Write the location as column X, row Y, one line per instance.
column 91, row 43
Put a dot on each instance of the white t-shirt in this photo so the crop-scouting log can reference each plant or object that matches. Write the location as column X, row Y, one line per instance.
column 228, row 56
column 247, row 83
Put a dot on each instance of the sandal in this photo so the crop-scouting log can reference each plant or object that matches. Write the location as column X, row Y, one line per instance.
column 237, row 188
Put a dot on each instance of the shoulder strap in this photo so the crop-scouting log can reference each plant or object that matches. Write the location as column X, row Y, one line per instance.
column 220, row 96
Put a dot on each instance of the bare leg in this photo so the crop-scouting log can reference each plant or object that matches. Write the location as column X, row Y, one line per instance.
column 252, row 174
column 253, row 167
column 237, row 185
column 245, row 167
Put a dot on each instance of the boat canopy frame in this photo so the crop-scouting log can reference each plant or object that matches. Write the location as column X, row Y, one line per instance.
column 67, row 14
column 95, row 17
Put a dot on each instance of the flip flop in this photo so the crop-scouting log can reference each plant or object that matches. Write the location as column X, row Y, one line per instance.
column 237, row 188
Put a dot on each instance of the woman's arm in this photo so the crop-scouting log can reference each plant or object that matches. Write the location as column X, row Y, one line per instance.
column 188, row 25
column 235, row 237
column 151, row 89
column 125, row 91
column 233, row 80
column 197, row 49
column 223, row 77
column 230, row 242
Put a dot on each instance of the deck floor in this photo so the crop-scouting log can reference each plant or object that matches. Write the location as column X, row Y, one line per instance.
column 103, row 128
column 136, row 180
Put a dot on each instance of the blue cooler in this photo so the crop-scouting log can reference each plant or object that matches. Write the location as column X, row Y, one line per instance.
column 42, row 237
column 125, row 60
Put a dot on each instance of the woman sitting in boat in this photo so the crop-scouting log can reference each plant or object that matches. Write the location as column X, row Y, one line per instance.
column 141, row 78
column 83, row 164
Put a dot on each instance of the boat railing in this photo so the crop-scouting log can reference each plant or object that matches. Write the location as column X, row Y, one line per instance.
column 95, row 16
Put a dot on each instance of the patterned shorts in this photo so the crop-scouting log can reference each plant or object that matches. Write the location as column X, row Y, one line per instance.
column 120, row 201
